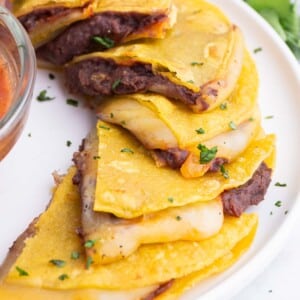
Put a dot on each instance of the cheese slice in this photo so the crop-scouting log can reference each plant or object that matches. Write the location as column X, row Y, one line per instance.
column 56, row 238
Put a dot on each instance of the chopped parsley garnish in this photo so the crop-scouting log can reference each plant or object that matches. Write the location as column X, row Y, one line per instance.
column 21, row 271
column 63, row 277
column 232, row 125
column 171, row 199
column 43, row 96
column 115, row 84
column 51, row 76
column 68, row 143
column 280, row 184
column 104, row 127
column 104, row 41
column 75, row 255
column 89, row 262
column 178, row 218
column 269, row 117
column 126, row 150
column 258, row 49
column 72, row 102
column 89, row 243
column 224, row 172
column 96, row 157
column 223, row 106
column 278, row 203
column 206, row 154
column 57, row 262
column 200, row 131
column 195, row 63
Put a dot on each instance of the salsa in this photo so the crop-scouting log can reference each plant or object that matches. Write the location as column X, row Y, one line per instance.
column 5, row 88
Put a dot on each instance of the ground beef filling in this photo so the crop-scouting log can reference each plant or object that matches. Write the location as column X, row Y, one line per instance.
column 44, row 15
column 236, row 201
column 78, row 39
column 99, row 76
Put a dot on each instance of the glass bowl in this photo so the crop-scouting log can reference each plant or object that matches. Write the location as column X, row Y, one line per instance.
column 17, row 77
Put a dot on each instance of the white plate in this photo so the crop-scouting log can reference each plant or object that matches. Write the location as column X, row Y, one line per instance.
column 25, row 175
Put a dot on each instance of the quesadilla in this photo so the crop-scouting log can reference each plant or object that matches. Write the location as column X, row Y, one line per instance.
column 198, row 62
column 62, row 29
column 45, row 266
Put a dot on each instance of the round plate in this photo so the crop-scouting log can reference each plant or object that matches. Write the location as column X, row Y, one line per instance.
column 25, row 174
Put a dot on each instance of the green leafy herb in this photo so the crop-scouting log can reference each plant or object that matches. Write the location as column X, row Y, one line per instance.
column 200, row 131
column 115, row 84
column 21, row 271
column 43, row 96
column 195, row 63
column 223, row 106
column 178, row 218
column 51, row 76
column 224, row 172
column 206, row 154
column 280, row 184
column 63, row 277
column 72, row 102
column 68, row 143
column 104, row 41
column 89, row 262
column 256, row 50
column 232, row 125
column 104, row 127
column 126, row 150
column 57, row 262
column 171, row 199
column 75, row 255
column 282, row 16
column 89, row 243
column 278, row 203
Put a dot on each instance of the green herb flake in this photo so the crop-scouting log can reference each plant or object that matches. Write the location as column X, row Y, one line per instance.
column 258, row 49
column 104, row 41
column 278, row 203
column 75, row 255
column 89, row 243
column 178, row 218
column 21, row 271
column 104, row 127
column 57, row 262
column 89, row 262
column 171, row 199
column 195, row 63
column 269, row 117
column 68, row 143
column 280, row 184
column 96, row 157
column 63, row 277
column 115, row 84
column 72, row 102
column 224, row 172
column 51, row 76
column 223, row 106
column 43, row 96
column 200, row 131
column 232, row 125
column 127, row 150
column 206, row 154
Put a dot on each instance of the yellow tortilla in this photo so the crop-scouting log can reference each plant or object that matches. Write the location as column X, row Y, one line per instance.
column 56, row 238
column 129, row 184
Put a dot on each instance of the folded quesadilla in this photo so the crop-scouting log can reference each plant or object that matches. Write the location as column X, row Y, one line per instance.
column 198, row 62
column 62, row 29
column 114, row 238
column 50, row 261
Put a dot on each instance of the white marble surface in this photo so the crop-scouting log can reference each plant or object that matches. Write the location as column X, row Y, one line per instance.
column 280, row 280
